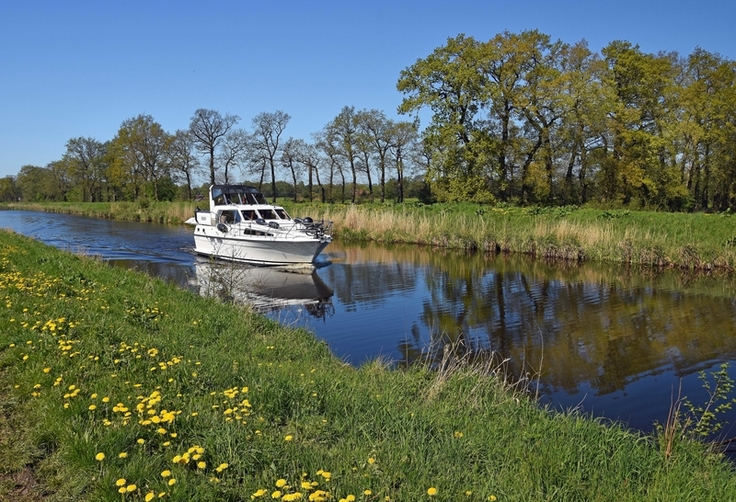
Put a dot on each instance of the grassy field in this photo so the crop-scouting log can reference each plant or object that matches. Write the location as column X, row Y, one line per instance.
column 118, row 387
column 691, row 241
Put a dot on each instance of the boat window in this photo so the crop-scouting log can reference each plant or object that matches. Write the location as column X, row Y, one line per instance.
column 267, row 214
column 229, row 217
column 249, row 214
column 260, row 198
column 218, row 197
column 250, row 231
column 283, row 214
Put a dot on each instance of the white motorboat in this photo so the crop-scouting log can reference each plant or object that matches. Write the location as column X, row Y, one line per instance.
column 242, row 226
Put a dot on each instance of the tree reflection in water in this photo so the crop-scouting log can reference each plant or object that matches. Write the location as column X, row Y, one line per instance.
column 594, row 333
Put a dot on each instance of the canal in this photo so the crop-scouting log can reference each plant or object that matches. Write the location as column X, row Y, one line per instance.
column 615, row 342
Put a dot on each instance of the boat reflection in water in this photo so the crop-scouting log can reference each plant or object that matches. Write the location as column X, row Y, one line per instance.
column 264, row 288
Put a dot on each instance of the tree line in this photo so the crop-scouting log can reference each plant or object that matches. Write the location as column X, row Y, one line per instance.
column 526, row 119
column 519, row 118
column 145, row 161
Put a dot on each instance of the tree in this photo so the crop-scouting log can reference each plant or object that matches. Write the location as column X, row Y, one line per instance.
column 640, row 82
column 235, row 149
column 37, row 184
column 327, row 142
column 182, row 159
column 403, row 138
column 342, row 132
column 267, row 130
column 9, row 191
column 292, row 159
column 142, row 149
column 376, row 129
column 449, row 83
column 87, row 162
column 207, row 128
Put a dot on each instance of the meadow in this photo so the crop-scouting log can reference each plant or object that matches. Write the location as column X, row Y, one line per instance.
column 119, row 387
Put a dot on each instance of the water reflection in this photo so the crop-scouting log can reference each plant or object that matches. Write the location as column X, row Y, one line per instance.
column 264, row 288
column 597, row 335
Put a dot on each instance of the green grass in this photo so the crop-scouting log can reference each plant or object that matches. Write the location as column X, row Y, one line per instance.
column 95, row 359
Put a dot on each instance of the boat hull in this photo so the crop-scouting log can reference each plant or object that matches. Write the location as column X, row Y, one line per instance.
column 257, row 250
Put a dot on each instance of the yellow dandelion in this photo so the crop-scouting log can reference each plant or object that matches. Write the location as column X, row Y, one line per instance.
column 123, row 454
column 222, row 467
column 92, row 407
column 367, row 492
column 432, row 491
column 492, row 498
column 131, row 488
column 149, row 496
column 201, row 465
column 166, row 473
column 289, row 438
column 276, row 495
column 120, row 482
column 172, row 481
column 121, row 489
column 280, row 483
column 258, row 493
column 100, row 457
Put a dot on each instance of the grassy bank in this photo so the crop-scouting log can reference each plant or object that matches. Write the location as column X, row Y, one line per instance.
column 692, row 241
column 116, row 386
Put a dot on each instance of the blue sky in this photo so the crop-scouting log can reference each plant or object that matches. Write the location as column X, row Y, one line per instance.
column 80, row 68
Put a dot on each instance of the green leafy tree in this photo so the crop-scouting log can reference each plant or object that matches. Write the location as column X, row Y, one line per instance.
column 87, row 162
column 449, row 83
column 9, row 191
column 142, row 151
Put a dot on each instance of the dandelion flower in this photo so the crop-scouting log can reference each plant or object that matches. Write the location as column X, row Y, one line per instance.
column 201, row 465
column 258, row 493
column 123, row 454
column 120, row 482
column 276, row 495
column 367, row 492
column 172, row 481
column 140, row 441
column 280, row 483
column 492, row 498
column 289, row 438
column 222, row 467
column 92, row 407
column 121, row 489
column 131, row 488
column 149, row 496
column 100, row 457
column 432, row 491
column 166, row 473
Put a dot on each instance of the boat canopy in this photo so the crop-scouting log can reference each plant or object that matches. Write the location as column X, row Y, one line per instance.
column 235, row 194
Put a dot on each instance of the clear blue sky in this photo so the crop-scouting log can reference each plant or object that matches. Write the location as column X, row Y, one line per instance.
column 80, row 68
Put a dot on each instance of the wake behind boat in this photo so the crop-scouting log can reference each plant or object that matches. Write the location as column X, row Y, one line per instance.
column 242, row 226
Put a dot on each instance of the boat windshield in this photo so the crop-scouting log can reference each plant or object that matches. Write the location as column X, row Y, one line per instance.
column 267, row 214
column 283, row 214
